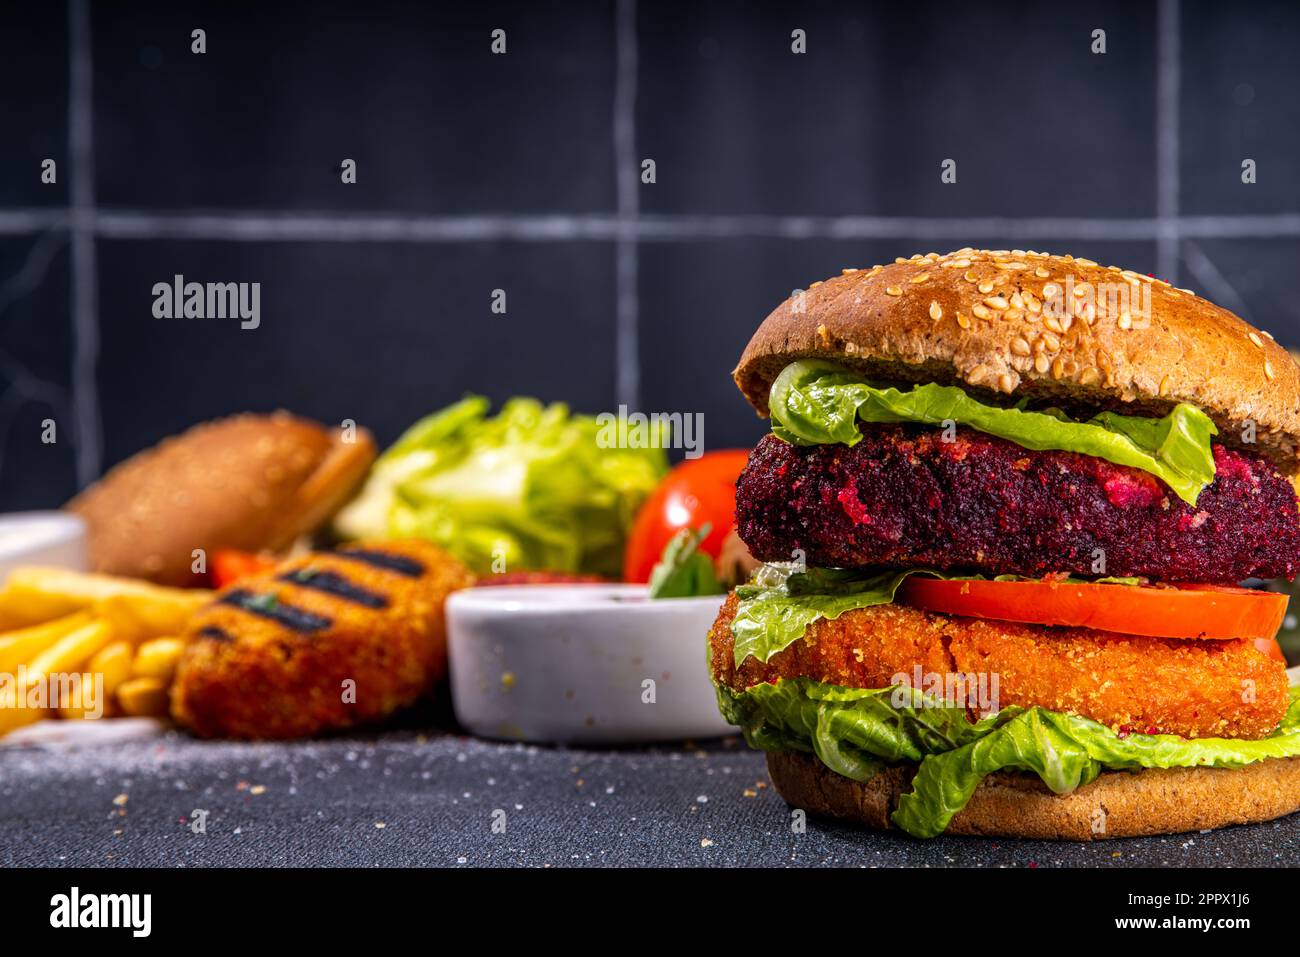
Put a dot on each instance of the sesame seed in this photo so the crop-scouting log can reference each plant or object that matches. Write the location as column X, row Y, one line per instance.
column 893, row 290
column 1051, row 322
column 1257, row 340
column 1058, row 368
column 957, row 264
column 1125, row 320
column 1165, row 385
column 996, row 302
column 848, row 270
column 1019, row 346
column 936, row 310
column 970, row 276
column 1085, row 262
column 1051, row 290
column 814, row 285
column 1041, row 363
column 1052, row 343
column 1268, row 370
column 963, row 321
column 921, row 277
column 1013, row 315
column 1089, row 377
column 900, row 260
column 1013, row 266
column 986, row 286
column 981, row 312
column 1006, row 382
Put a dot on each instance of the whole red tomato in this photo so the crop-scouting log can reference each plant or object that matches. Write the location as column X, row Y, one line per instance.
column 695, row 492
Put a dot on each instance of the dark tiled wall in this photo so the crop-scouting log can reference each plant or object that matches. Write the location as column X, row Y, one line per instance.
column 748, row 138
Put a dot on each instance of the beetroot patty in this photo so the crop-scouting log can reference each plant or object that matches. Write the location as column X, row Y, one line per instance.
column 902, row 496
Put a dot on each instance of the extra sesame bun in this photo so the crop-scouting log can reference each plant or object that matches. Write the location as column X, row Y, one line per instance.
column 1006, row 804
column 977, row 318
column 250, row 482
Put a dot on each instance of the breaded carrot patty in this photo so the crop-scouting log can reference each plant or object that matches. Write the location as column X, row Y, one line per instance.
column 1132, row 684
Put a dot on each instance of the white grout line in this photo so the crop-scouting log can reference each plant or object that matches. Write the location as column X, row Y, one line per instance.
column 1168, row 80
column 24, row 222
column 253, row 226
column 627, row 180
column 1207, row 274
column 262, row 226
column 85, row 282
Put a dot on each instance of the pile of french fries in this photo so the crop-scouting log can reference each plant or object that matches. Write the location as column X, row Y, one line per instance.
column 58, row 622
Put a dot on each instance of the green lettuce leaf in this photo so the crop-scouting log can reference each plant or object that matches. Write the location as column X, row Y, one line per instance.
column 774, row 612
column 777, row 607
column 534, row 487
column 857, row 732
column 818, row 403
column 683, row 571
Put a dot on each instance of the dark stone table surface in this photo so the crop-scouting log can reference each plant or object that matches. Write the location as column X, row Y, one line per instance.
column 127, row 796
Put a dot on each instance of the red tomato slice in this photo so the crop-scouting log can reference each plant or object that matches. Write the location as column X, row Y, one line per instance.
column 231, row 564
column 1182, row 611
column 1271, row 648
column 695, row 492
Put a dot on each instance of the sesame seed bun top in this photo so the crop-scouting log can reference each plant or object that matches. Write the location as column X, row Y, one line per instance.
column 1030, row 324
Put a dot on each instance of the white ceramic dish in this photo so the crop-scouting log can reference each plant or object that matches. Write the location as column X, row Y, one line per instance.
column 581, row 664
column 41, row 538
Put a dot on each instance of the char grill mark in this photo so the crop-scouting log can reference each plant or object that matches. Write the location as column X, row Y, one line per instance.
column 334, row 584
column 268, row 606
column 384, row 560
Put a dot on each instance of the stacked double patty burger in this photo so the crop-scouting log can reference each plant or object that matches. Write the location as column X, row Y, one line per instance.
column 1007, row 503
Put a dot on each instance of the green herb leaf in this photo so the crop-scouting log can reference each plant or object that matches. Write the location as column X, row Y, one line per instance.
column 683, row 571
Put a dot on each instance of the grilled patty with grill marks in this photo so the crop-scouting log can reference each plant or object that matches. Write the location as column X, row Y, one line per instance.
column 272, row 656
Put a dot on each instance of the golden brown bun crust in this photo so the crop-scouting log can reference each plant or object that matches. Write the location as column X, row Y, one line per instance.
column 1007, row 804
column 250, row 482
column 244, row 676
column 1149, row 685
column 976, row 318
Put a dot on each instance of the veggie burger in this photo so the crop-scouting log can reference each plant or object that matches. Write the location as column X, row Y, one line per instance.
column 1006, row 511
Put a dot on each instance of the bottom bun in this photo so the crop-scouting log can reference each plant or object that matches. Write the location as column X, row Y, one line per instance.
column 1010, row 804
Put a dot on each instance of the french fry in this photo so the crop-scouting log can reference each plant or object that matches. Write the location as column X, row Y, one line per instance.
column 157, row 658
column 139, row 616
column 36, row 594
column 113, row 665
column 66, row 654
column 90, row 705
column 143, row 697
column 17, row 647
column 71, row 651
column 113, row 662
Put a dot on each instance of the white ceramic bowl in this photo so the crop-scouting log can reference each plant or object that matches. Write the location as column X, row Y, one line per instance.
column 582, row 664
column 41, row 538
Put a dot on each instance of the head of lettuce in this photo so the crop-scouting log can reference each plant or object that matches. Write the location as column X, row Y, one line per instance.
column 534, row 487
